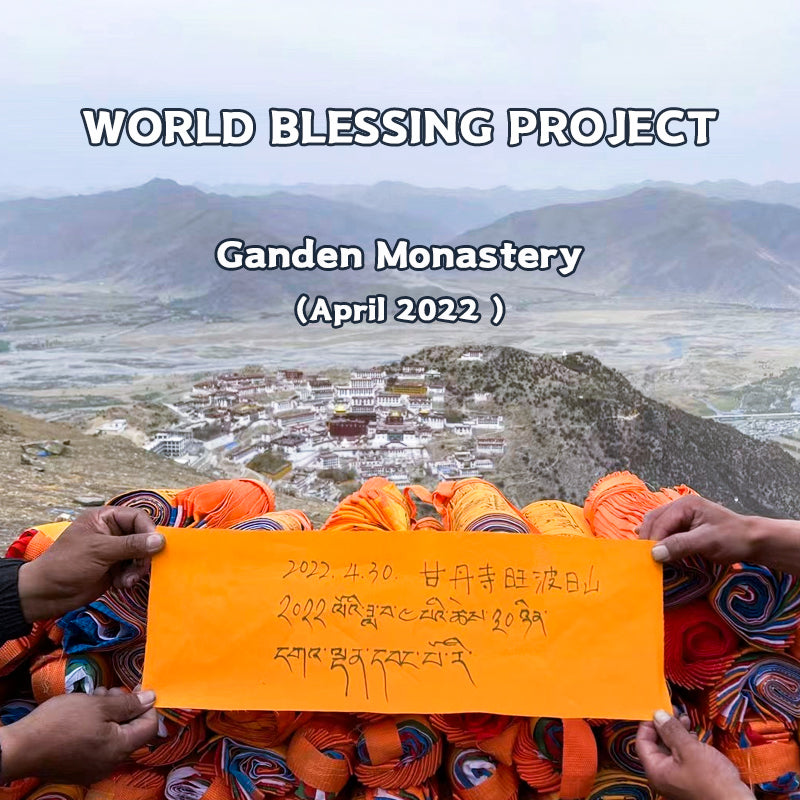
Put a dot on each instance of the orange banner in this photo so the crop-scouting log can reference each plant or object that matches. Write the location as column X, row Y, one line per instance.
column 406, row 622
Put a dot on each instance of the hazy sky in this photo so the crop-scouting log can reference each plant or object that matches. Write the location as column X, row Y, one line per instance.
column 737, row 55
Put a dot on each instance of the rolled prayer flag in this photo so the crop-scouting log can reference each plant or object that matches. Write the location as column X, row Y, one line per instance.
column 321, row 755
column 757, row 685
column 196, row 781
column 427, row 791
column 762, row 606
column 18, row 789
column 58, row 791
column 553, row 517
column 473, row 504
column 766, row 755
column 14, row 710
column 33, row 542
column 619, row 740
column 257, row 728
column 377, row 505
column 398, row 752
column 15, row 651
column 617, row 504
column 428, row 524
column 475, row 775
column 289, row 520
column 687, row 580
column 159, row 505
column 128, row 664
column 613, row 784
column 223, row 504
column 129, row 783
column 698, row 646
column 254, row 772
column 98, row 626
column 492, row 733
column 174, row 742
column 58, row 673
column 555, row 755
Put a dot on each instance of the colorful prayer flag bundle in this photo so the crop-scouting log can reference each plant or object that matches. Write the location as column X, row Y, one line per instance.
column 730, row 657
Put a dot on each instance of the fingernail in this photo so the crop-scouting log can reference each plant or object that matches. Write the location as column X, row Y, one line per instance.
column 146, row 698
column 130, row 580
column 660, row 553
column 155, row 541
column 661, row 717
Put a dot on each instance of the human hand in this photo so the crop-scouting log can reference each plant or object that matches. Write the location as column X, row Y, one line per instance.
column 105, row 546
column 680, row 767
column 77, row 738
column 692, row 525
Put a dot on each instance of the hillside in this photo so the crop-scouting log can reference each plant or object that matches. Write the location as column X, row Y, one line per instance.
column 99, row 466
column 571, row 420
column 663, row 243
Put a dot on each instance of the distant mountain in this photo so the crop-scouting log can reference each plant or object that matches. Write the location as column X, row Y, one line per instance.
column 456, row 210
column 571, row 420
column 664, row 243
column 159, row 239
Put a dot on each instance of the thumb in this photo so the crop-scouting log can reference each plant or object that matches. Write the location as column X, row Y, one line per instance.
column 678, row 546
column 132, row 547
column 125, row 706
column 672, row 732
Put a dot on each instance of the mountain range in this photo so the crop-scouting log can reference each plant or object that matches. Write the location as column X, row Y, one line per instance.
column 159, row 239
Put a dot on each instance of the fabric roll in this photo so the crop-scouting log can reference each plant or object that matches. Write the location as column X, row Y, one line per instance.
column 289, row 520
column 159, row 504
column 33, row 542
column 196, row 781
column 617, row 504
column 398, row 752
column 619, row 742
column 256, row 728
column 321, row 755
column 687, row 580
column 758, row 685
column 57, row 673
column 222, row 504
column 377, row 506
column 128, row 664
column 58, row 791
column 98, row 626
column 698, row 646
column 762, row 606
column 428, row 524
column 552, row 517
column 473, row 504
column 251, row 773
column 612, row 784
column 16, row 790
column 491, row 733
column 475, row 775
column 15, row 652
column 766, row 755
column 428, row 791
column 555, row 755
column 129, row 783
column 174, row 742
column 15, row 709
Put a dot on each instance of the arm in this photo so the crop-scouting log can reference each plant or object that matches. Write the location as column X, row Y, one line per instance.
column 12, row 621
column 695, row 526
column 679, row 767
